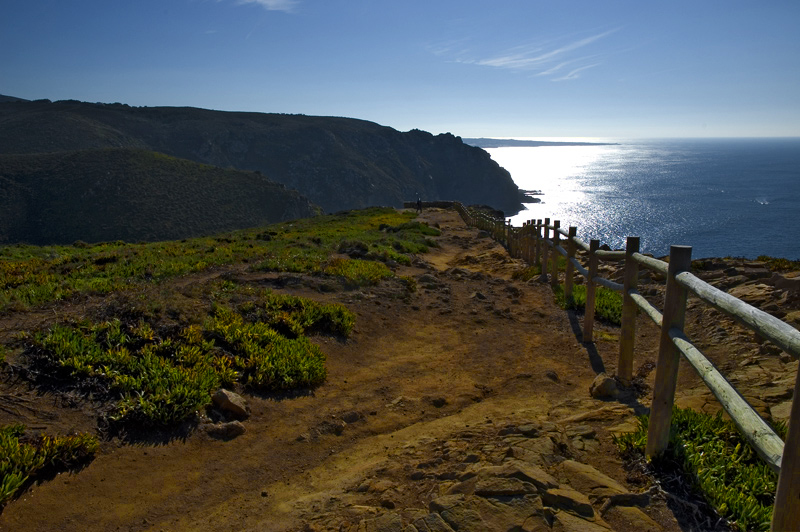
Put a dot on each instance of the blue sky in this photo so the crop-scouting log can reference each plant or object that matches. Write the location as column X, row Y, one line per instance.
column 473, row 68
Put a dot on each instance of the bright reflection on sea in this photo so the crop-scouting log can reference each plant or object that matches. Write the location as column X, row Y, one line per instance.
column 723, row 197
column 559, row 173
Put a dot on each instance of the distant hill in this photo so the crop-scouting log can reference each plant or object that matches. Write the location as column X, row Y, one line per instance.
column 338, row 163
column 132, row 194
column 515, row 143
column 4, row 98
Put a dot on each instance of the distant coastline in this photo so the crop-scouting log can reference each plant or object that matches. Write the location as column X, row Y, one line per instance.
column 514, row 143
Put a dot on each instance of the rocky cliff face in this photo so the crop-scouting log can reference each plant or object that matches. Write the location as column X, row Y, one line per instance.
column 338, row 163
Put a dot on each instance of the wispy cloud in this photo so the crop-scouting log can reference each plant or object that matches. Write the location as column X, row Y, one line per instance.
column 287, row 6
column 574, row 73
column 548, row 59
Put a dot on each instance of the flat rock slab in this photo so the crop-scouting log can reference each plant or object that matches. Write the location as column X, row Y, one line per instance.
column 589, row 480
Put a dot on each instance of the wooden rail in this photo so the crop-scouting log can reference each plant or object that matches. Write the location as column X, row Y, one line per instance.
column 534, row 244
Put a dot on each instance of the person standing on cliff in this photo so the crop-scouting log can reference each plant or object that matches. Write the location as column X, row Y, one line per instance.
column 419, row 204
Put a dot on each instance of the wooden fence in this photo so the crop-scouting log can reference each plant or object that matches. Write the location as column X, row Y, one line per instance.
column 542, row 242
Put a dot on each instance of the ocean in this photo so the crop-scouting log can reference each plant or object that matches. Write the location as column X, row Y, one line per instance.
column 723, row 197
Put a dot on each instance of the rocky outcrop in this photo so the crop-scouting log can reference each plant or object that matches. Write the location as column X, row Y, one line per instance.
column 525, row 475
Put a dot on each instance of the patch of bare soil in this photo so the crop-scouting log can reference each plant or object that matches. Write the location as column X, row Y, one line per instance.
column 427, row 410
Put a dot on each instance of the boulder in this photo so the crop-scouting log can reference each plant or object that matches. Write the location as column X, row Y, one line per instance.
column 604, row 387
column 231, row 403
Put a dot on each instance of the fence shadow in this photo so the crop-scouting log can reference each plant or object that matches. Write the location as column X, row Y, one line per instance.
column 594, row 357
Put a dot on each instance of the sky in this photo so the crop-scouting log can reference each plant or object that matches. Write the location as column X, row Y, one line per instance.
column 508, row 68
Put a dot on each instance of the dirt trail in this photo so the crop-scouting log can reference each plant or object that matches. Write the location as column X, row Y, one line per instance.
column 471, row 349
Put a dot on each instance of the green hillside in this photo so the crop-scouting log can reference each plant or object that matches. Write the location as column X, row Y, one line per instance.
column 338, row 163
column 132, row 195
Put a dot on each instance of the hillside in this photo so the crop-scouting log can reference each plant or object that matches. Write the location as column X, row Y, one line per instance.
column 338, row 163
column 132, row 195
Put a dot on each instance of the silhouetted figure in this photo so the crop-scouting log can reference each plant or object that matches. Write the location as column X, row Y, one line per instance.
column 419, row 204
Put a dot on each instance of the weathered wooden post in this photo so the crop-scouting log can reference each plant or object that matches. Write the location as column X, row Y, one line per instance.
column 786, row 513
column 627, row 337
column 526, row 241
column 569, row 273
column 538, row 241
column 545, row 236
column 588, row 316
column 523, row 241
column 556, row 254
column 680, row 260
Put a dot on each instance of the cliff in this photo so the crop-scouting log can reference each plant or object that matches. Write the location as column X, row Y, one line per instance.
column 338, row 163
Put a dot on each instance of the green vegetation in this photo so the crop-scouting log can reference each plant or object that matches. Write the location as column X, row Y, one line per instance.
column 607, row 303
column 527, row 273
column 161, row 380
column 159, row 355
column 21, row 461
column 134, row 195
column 719, row 463
column 31, row 275
column 780, row 265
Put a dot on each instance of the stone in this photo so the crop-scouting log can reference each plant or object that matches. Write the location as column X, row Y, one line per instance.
column 781, row 411
column 604, row 387
column 352, row 416
column 459, row 513
column 570, row 500
column 531, row 431
column 628, row 499
column 633, row 518
column 529, row 474
column 388, row 522
column 503, row 487
column 789, row 281
column 470, row 513
column 566, row 522
column 589, row 480
column 231, row 403
column 225, row 431
column 580, row 431
column 432, row 523
column 380, row 485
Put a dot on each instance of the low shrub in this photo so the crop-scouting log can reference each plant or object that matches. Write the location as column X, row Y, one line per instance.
column 22, row 461
column 358, row 272
column 607, row 303
column 161, row 381
column 717, row 461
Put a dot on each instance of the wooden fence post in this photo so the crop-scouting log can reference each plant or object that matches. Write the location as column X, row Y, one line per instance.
column 525, row 243
column 569, row 273
column 556, row 254
column 627, row 338
column 528, row 241
column 786, row 512
column 588, row 316
column 545, row 236
column 680, row 260
column 538, row 241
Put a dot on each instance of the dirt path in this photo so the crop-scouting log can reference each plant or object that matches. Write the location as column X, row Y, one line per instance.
column 471, row 351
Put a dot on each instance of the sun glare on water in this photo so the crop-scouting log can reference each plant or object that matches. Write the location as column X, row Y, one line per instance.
column 555, row 171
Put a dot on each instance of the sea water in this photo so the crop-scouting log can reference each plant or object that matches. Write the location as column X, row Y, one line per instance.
column 723, row 197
